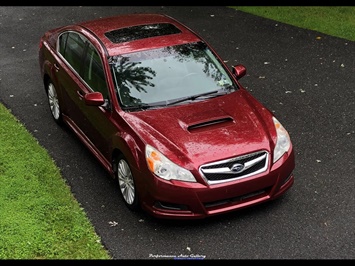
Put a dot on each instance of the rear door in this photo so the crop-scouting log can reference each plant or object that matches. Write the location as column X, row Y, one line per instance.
column 72, row 47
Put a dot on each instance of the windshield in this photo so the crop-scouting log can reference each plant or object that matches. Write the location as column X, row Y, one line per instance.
column 171, row 74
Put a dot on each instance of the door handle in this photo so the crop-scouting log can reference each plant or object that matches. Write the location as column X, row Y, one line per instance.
column 56, row 67
column 81, row 94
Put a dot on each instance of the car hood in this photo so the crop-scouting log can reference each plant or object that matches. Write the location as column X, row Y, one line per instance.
column 205, row 131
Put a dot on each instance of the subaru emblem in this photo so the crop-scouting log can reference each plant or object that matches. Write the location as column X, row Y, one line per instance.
column 237, row 168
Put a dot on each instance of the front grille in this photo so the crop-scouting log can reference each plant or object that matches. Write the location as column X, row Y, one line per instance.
column 235, row 168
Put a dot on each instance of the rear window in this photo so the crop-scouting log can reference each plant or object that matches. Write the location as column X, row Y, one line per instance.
column 141, row 32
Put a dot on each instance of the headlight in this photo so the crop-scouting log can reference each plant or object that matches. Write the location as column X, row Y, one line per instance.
column 283, row 141
column 164, row 168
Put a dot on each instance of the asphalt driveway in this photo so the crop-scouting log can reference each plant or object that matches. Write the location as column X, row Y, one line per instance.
column 306, row 78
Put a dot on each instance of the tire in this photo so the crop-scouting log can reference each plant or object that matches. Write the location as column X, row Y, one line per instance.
column 126, row 183
column 53, row 102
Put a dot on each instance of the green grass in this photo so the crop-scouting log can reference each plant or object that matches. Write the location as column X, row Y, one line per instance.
column 40, row 218
column 337, row 21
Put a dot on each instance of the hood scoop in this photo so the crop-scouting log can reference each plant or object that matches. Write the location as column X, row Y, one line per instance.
column 210, row 124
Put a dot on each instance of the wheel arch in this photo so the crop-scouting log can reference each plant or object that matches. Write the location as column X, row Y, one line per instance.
column 126, row 145
column 46, row 79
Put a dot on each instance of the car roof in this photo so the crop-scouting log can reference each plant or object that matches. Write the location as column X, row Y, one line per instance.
column 136, row 32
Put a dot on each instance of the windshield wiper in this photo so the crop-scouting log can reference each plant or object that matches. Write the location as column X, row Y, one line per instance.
column 144, row 106
column 141, row 106
column 194, row 97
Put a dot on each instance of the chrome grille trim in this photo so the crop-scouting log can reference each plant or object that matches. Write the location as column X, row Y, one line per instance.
column 221, row 171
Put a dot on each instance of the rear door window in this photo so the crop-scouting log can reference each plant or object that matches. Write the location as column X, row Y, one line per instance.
column 72, row 46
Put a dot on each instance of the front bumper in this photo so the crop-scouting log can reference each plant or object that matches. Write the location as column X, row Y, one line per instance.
column 182, row 200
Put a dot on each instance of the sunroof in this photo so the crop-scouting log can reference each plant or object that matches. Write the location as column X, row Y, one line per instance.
column 141, row 32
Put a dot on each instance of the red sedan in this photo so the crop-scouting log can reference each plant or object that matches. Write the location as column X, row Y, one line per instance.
column 164, row 115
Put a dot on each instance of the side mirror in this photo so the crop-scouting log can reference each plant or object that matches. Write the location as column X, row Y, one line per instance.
column 239, row 71
column 94, row 99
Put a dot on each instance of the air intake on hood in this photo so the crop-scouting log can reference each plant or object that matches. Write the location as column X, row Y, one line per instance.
column 210, row 123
